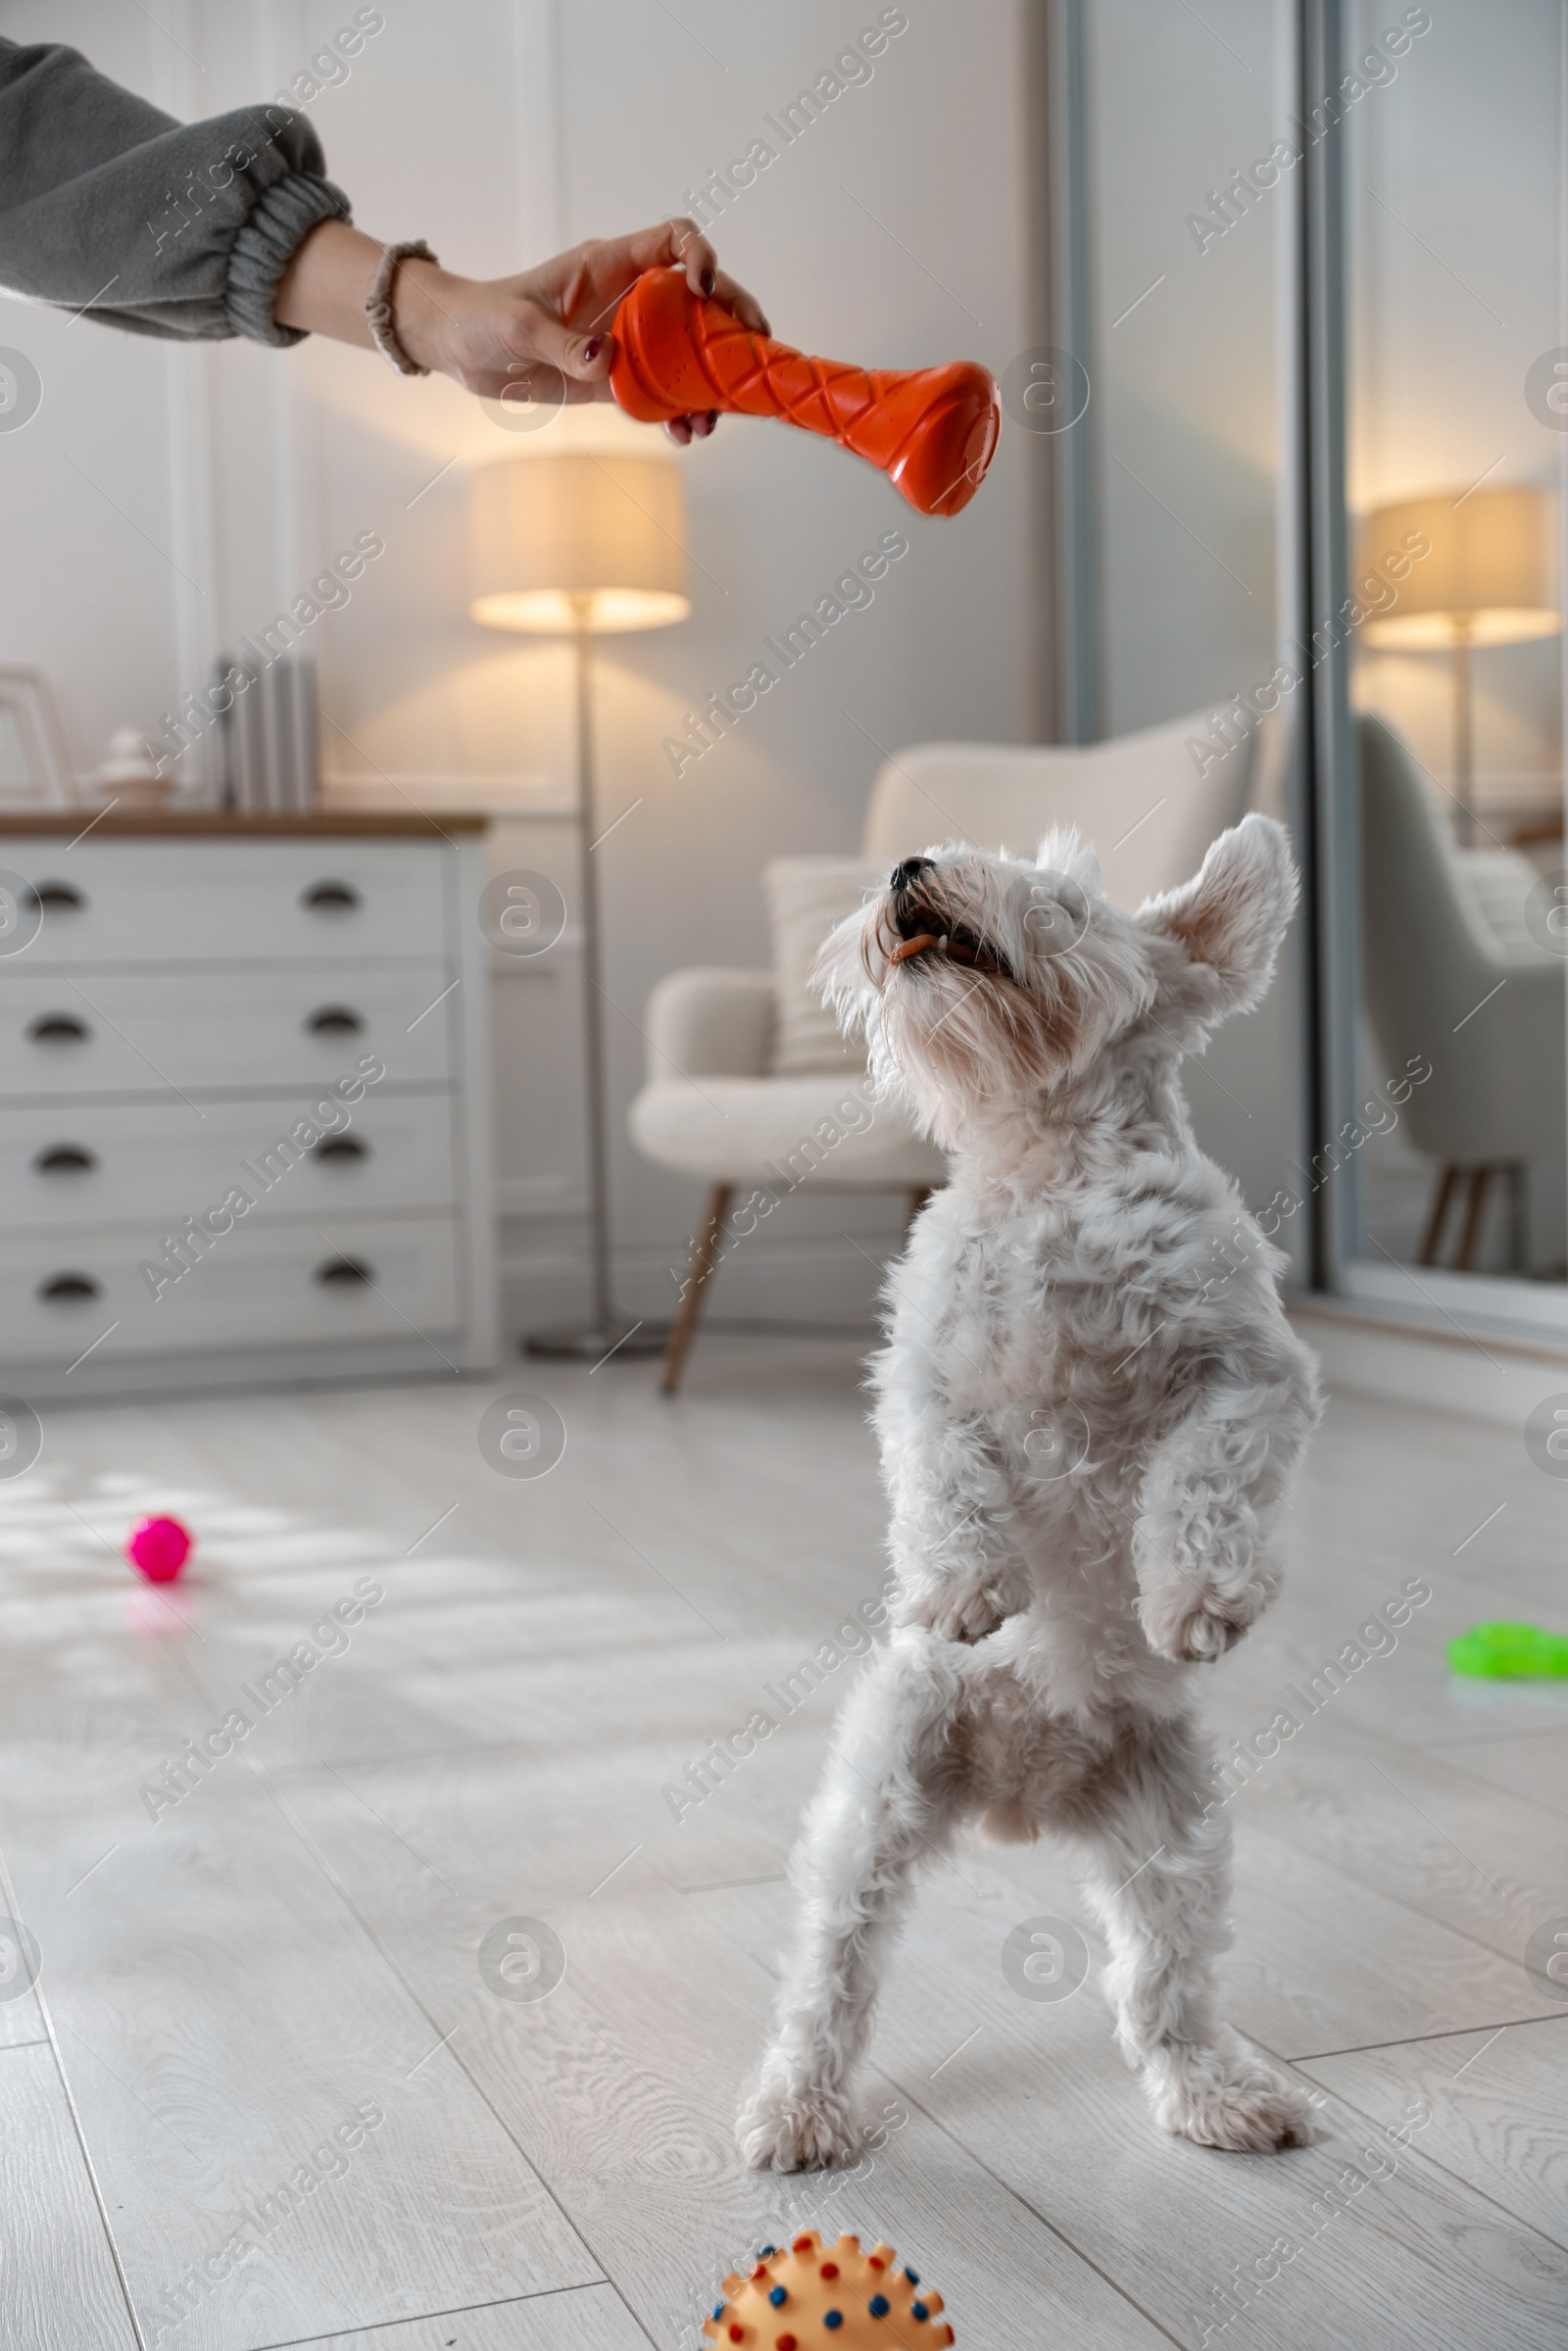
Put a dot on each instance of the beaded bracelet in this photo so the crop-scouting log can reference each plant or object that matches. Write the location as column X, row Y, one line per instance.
column 379, row 304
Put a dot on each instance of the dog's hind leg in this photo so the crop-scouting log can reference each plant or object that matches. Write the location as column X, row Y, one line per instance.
column 1158, row 1877
column 886, row 1798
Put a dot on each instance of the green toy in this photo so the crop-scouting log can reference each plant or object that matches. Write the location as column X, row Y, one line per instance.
column 1509, row 1651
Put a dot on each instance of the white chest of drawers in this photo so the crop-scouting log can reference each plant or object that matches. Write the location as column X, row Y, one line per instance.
column 244, row 1103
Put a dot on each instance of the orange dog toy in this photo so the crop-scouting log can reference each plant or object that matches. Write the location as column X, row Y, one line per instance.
column 931, row 430
column 835, row 2298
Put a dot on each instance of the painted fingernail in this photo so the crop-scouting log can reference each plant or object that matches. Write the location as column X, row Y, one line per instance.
column 709, row 281
column 592, row 350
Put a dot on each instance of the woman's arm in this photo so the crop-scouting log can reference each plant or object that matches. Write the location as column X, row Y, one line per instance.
column 230, row 227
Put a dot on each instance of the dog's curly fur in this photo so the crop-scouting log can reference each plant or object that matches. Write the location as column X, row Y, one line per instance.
column 1088, row 1417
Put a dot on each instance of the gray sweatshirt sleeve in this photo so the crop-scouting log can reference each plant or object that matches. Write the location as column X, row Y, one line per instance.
column 168, row 228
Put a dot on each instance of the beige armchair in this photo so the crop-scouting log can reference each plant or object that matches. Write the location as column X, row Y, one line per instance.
column 1455, row 976
column 748, row 1083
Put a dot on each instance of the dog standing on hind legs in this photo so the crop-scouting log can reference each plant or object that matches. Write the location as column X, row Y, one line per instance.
column 1089, row 1409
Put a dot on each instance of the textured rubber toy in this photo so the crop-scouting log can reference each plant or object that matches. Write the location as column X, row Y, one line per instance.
column 1509, row 1652
column 807, row 2296
column 931, row 430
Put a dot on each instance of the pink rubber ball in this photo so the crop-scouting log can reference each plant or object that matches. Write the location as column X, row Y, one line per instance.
column 158, row 1548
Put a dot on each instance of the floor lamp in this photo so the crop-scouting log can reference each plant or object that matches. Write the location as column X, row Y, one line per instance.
column 1488, row 580
column 583, row 545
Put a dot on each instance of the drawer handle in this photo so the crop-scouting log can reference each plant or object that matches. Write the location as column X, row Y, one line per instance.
column 342, row 1273
column 59, row 1028
column 58, row 898
column 342, row 1147
column 64, row 1159
column 331, row 897
column 69, row 1289
column 334, row 1020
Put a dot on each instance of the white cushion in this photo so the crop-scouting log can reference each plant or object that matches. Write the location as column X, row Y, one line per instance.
column 779, row 1132
column 1140, row 798
column 806, row 897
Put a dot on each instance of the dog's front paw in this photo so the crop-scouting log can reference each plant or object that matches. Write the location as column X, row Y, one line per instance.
column 790, row 2126
column 1193, row 1625
column 957, row 1610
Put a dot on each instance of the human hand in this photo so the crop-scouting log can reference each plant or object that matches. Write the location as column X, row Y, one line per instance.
column 549, row 332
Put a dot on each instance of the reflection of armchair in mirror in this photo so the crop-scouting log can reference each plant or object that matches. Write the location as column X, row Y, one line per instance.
column 34, row 771
column 1461, row 972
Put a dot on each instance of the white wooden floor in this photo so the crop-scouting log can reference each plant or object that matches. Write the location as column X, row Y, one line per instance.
column 296, row 1941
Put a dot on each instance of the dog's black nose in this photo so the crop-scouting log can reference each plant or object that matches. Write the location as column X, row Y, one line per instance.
column 910, row 871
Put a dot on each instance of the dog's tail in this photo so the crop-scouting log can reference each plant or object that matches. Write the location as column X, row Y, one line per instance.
column 1009, row 1825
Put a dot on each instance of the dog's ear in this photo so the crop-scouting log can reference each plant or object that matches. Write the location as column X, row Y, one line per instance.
column 839, row 975
column 1228, row 921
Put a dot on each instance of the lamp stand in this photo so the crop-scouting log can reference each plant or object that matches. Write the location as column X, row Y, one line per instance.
column 1465, row 756
column 607, row 1332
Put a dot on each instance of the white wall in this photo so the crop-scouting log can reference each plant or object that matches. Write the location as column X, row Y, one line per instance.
column 1184, row 413
column 1187, row 360
column 164, row 500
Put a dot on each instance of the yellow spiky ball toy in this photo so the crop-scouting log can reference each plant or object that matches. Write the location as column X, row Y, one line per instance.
column 809, row 2296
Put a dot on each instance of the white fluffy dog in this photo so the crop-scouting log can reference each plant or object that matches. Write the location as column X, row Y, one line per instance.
column 1088, row 1410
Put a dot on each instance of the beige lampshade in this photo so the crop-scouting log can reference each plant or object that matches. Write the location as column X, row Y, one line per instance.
column 563, row 541
column 1488, row 579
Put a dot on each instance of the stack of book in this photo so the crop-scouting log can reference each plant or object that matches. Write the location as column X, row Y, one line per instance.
column 270, row 740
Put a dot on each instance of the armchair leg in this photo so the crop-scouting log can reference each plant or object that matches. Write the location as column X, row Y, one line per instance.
column 703, row 1250
column 1518, row 1216
column 1432, row 1238
column 1475, row 1210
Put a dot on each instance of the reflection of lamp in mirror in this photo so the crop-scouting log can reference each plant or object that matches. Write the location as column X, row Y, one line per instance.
column 1489, row 580
column 579, row 544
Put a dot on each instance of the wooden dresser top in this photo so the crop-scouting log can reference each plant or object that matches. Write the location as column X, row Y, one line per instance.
column 214, row 824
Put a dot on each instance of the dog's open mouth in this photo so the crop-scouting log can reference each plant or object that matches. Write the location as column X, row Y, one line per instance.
column 959, row 943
